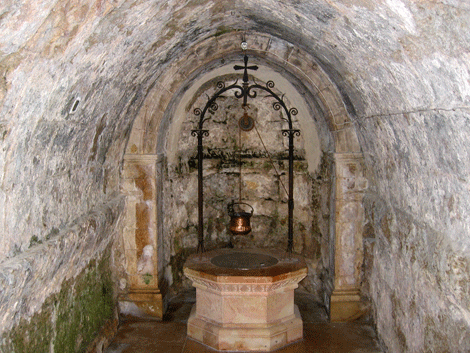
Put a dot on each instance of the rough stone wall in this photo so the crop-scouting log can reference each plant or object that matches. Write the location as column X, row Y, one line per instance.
column 58, row 294
column 261, row 187
column 64, row 121
column 414, row 135
column 418, row 214
column 401, row 66
column 61, row 149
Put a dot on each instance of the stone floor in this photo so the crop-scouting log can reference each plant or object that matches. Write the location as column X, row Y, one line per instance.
column 169, row 335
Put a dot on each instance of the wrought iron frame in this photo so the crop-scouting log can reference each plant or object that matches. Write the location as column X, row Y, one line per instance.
column 245, row 91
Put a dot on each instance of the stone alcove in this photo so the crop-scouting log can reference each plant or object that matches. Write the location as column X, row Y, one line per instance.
column 158, row 165
column 263, row 179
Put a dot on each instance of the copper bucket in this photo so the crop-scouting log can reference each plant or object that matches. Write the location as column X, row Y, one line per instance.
column 239, row 220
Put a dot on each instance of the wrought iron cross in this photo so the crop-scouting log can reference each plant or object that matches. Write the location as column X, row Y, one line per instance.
column 245, row 68
column 245, row 76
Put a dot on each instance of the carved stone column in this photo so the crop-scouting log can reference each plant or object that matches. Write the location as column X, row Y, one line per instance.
column 345, row 301
column 143, row 297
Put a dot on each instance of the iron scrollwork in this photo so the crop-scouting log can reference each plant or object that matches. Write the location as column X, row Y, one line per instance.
column 290, row 132
column 200, row 133
column 245, row 91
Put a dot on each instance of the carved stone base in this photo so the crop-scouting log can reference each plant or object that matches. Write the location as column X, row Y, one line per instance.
column 243, row 308
column 143, row 303
column 345, row 305
column 245, row 337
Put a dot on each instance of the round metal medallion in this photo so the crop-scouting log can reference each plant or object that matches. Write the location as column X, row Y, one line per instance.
column 246, row 122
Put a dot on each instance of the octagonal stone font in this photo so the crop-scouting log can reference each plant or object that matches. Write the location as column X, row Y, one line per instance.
column 245, row 299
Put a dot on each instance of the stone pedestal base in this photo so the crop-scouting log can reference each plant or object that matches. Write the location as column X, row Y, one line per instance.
column 244, row 308
column 245, row 337
column 345, row 305
column 143, row 303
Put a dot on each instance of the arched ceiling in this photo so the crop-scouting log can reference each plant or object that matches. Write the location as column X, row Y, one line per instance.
column 366, row 47
column 76, row 77
column 384, row 57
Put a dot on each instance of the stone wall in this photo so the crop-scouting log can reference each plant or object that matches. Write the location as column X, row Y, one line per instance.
column 57, row 294
column 74, row 75
column 418, row 226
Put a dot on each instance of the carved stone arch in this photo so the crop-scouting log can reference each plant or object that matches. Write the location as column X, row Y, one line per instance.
column 145, row 155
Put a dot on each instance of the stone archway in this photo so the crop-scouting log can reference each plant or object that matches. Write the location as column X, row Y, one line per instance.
column 142, row 292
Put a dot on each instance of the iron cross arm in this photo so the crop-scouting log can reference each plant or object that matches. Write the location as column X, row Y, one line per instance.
column 245, row 68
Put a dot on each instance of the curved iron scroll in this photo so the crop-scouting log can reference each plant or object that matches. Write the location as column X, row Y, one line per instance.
column 245, row 91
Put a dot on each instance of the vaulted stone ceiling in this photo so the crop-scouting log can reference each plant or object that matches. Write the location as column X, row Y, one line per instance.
column 74, row 76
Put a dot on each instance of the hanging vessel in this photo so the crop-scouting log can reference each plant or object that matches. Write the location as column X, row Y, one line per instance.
column 239, row 219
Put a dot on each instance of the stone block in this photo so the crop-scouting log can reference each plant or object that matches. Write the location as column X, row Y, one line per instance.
column 345, row 305
column 142, row 303
column 258, row 42
column 346, row 140
column 228, row 42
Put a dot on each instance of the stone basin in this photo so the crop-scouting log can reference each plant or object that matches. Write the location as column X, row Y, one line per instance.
column 244, row 260
column 245, row 299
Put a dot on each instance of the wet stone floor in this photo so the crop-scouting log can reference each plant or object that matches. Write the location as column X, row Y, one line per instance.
column 169, row 335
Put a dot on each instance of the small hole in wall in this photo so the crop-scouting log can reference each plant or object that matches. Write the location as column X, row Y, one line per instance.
column 75, row 105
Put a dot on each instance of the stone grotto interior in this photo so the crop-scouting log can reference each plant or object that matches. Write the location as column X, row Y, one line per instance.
column 99, row 168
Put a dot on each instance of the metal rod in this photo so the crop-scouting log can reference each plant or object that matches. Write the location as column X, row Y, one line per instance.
column 290, row 230
column 200, row 187
column 290, row 202
column 200, row 201
column 240, row 164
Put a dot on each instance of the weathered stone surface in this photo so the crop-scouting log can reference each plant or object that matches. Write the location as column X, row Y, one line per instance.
column 60, row 285
column 74, row 76
column 420, row 224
